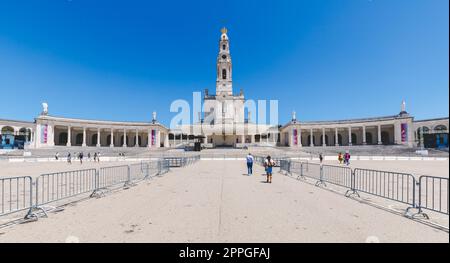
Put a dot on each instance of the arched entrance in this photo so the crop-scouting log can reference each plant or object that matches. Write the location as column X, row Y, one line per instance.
column 62, row 138
column 385, row 138
column 369, row 138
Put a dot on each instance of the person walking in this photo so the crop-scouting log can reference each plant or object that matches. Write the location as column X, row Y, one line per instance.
column 347, row 158
column 69, row 158
column 250, row 160
column 340, row 158
column 320, row 157
column 95, row 156
column 98, row 157
column 81, row 157
column 268, row 164
column 57, row 156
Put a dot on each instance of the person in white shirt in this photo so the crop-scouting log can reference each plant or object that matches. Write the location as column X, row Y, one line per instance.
column 268, row 164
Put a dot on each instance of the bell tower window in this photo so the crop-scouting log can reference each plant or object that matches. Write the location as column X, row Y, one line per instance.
column 224, row 74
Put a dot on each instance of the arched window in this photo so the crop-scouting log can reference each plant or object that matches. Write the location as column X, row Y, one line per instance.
column 440, row 128
column 7, row 130
column 224, row 74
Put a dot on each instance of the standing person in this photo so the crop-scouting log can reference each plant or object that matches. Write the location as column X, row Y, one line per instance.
column 81, row 157
column 268, row 164
column 89, row 156
column 57, row 156
column 347, row 158
column 320, row 157
column 340, row 158
column 250, row 160
column 69, row 158
column 95, row 156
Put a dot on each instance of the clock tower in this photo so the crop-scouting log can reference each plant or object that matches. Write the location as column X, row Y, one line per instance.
column 224, row 82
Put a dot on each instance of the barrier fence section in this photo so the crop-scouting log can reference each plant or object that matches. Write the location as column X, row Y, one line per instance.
column 426, row 193
column 395, row 186
column 338, row 175
column 433, row 194
column 16, row 194
column 182, row 161
column 113, row 175
column 57, row 186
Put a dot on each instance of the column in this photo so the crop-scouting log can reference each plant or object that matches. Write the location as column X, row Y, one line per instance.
column 124, row 138
column 267, row 138
column 364, row 134
column 252, row 138
column 323, row 138
column 158, row 138
column 336, row 137
column 311, row 139
column 136, row 143
column 84, row 137
column 242, row 139
column 350, row 136
column 166, row 140
column 98, row 137
column 379, row 135
column 69, row 136
column 299, row 138
column 111, row 143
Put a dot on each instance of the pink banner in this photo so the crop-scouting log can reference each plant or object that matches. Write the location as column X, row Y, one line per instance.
column 404, row 129
column 295, row 137
column 153, row 137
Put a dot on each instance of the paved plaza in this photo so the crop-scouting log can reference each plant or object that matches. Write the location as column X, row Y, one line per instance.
column 215, row 201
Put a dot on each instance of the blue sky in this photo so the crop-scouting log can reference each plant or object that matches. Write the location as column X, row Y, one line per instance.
column 121, row 60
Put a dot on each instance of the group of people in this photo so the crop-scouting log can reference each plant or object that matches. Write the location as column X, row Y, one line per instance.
column 344, row 158
column 269, row 163
column 80, row 157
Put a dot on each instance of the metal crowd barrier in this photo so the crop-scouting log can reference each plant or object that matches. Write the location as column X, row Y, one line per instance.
column 428, row 193
column 395, row 186
column 338, row 175
column 16, row 194
column 182, row 161
column 57, row 186
column 433, row 194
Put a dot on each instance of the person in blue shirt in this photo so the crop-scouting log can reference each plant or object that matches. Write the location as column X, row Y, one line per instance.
column 250, row 160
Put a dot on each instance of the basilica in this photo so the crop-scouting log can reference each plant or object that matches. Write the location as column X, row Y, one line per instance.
column 227, row 120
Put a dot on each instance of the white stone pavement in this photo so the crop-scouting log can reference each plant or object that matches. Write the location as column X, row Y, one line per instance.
column 214, row 201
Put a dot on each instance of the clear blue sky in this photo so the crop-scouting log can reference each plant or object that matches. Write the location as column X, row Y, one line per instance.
column 121, row 60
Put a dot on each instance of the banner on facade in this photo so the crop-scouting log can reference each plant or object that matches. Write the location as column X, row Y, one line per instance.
column 44, row 130
column 404, row 130
column 153, row 137
column 295, row 137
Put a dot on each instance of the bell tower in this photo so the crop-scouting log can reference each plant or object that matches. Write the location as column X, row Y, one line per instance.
column 224, row 83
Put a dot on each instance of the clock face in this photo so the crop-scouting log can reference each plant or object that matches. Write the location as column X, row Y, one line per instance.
column 224, row 56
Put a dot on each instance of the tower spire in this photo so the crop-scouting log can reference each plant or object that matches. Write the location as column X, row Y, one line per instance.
column 224, row 84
